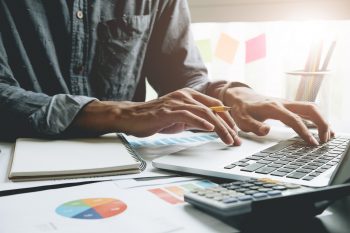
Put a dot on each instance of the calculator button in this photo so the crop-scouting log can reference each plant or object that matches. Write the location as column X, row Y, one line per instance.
column 251, row 192
column 259, row 195
column 268, row 185
column 279, row 187
column 245, row 198
column 229, row 200
column 274, row 193
column 264, row 190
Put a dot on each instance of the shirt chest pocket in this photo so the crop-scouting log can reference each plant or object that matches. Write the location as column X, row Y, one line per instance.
column 120, row 50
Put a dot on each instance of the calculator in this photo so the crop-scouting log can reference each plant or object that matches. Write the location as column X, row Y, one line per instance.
column 236, row 198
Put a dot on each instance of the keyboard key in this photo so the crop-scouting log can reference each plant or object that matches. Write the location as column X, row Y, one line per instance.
column 276, row 165
column 297, row 164
column 315, row 174
column 291, row 166
column 252, row 167
column 230, row 166
column 310, row 167
column 240, row 164
column 296, row 175
column 243, row 160
column 281, row 162
column 308, row 178
column 279, row 146
column 304, row 170
column 287, row 170
column 277, row 173
column 253, row 157
column 265, row 170
column 264, row 161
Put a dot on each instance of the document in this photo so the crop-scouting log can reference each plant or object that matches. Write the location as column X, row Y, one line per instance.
column 102, row 207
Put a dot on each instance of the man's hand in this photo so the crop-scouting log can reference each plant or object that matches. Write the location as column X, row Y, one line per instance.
column 180, row 110
column 250, row 110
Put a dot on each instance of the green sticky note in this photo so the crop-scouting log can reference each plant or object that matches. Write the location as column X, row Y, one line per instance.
column 204, row 47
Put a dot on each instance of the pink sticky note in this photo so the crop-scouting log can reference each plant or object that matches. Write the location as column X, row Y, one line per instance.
column 226, row 48
column 255, row 48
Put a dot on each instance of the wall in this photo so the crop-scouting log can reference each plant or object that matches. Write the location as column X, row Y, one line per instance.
column 267, row 10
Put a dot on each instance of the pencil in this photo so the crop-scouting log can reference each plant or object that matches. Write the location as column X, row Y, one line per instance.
column 220, row 108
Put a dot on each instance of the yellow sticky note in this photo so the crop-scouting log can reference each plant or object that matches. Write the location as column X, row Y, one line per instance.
column 205, row 50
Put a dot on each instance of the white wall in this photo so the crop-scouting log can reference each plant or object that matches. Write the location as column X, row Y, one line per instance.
column 267, row 10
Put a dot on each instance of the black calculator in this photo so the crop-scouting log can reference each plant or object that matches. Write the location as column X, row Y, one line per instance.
column 236, row 198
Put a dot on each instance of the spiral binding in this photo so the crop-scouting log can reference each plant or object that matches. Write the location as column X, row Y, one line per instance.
column 133, row 153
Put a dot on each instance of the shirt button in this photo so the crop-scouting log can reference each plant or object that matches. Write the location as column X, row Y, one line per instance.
column 80, row 14
column 79, row 69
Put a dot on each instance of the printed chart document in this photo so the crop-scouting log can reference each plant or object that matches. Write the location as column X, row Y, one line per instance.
column 103, row 207
column 38, row 159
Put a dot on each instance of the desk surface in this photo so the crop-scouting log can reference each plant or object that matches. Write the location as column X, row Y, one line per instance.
column 336, row 221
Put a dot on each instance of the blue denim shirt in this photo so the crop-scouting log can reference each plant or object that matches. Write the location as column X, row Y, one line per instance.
column 58, row 55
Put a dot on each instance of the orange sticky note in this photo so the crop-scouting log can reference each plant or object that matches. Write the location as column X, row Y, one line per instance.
column 255, row 48
column 226, row 48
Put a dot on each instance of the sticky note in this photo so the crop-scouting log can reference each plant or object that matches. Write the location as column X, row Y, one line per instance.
column 226, row 48
column 204, row 47
column 256, row 48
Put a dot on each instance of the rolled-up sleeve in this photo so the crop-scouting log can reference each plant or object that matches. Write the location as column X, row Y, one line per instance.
column 26, row 113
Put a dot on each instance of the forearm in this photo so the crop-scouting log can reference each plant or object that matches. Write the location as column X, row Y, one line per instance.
column 219, row 89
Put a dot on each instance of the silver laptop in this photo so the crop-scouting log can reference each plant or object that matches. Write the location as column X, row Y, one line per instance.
column 290, row 160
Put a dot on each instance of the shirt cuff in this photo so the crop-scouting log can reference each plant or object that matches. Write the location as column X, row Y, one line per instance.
column 58, row 114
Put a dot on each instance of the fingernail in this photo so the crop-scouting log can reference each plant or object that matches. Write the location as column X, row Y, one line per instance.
column 209, row 126
column 264, row 129
column 238, row 141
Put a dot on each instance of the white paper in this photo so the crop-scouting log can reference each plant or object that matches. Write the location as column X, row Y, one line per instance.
column 145, row 212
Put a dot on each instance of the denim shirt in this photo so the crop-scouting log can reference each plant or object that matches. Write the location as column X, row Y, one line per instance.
column 58, row 55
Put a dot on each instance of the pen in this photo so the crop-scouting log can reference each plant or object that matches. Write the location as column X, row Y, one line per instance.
column 220, row 108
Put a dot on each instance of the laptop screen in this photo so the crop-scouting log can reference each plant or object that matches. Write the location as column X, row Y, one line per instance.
column 342, row 172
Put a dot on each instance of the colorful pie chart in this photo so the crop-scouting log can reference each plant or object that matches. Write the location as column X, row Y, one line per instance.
column 91, row 208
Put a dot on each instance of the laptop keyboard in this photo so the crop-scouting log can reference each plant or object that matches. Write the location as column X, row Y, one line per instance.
column 294, row 159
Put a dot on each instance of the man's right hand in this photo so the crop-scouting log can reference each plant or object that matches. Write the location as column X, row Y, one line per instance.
column 177, row 111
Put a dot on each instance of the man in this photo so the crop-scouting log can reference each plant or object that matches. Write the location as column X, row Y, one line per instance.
column 78, row 67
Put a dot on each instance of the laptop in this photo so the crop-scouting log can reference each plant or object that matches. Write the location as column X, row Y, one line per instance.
column 268, row 200
column 290, row 160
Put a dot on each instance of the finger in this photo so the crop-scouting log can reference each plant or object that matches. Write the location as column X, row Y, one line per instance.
column 226, row 116
column 199, row 121
column 311, row 112
column 223, row 130
column 249, row 124
column 186, row 118
column 207, row 101
column 234, row 134
column 278, row 112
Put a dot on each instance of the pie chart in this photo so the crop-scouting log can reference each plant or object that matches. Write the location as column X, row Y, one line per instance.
column 91, row 208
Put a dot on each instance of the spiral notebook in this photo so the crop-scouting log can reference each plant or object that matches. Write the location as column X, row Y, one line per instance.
column 38, row 159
